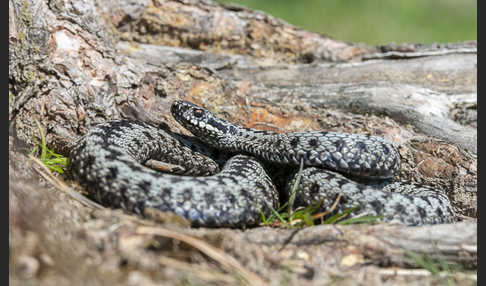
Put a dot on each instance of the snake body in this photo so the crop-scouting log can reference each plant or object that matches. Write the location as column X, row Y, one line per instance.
column 109, row 162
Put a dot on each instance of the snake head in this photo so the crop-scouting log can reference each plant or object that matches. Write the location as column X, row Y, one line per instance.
column 201, row 122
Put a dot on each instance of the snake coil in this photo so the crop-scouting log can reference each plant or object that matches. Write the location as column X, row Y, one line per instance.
column 109, row 162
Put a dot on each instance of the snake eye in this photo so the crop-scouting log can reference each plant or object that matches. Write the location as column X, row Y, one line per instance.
column 197, row 113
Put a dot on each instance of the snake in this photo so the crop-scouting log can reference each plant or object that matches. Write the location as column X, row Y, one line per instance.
column 225, row 177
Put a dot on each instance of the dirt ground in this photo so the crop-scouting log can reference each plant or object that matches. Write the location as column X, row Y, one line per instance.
column 59, row 239
column 73, row 64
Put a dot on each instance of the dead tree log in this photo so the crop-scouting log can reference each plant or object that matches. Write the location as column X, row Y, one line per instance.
column 73, row 64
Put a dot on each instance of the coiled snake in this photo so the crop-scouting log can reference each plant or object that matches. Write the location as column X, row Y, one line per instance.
column 109, row 162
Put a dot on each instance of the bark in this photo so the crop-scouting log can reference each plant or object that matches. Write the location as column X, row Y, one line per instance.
column 75, row 63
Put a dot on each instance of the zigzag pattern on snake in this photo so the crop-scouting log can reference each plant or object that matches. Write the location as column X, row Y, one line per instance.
column 109, row 162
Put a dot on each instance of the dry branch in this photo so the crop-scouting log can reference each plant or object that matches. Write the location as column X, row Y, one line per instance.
column 73, row 64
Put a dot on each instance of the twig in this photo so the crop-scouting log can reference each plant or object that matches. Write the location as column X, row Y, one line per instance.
column 201, row 272
column 47, row 174
column 222, row 258
column 333, row 207
column 408, row 55
column 422, row 272
column 267, row 124
column 165, row 167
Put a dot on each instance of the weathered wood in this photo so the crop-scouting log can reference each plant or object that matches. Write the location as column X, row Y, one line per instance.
column 75, row 63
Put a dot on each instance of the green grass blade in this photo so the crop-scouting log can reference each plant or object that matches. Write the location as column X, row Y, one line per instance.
column 363, row 219
column 307, row 218
column 338, row 216
column 43, row 141
column 424, row 262
column 294, row 190
column 275, row 215
column 48, row 157
column 264, row 219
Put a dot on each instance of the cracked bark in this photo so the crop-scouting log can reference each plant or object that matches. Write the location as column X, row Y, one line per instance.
column 73, row 64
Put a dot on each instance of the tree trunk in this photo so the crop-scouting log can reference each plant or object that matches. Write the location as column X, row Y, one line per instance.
column 73, row 64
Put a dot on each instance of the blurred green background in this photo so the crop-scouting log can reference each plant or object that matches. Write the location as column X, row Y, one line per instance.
column 377, row 21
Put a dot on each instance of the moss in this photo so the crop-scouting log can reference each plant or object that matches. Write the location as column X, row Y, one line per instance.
column 25, row 15
column 26, row 20
column 21, row 36
column 29, row 76
column 19, row 122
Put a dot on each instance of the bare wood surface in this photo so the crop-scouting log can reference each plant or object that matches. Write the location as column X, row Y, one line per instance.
column 75, row 63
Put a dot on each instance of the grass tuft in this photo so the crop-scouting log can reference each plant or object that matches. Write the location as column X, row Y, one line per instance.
column 48, row 157
column 436, row 266
column 285, row 216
